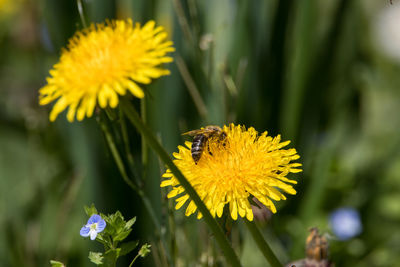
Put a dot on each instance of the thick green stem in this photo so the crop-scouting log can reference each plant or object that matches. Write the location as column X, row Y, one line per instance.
column 152, row 141
column 262, row 244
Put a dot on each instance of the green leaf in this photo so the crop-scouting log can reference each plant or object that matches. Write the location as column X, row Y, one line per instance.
column 56, row 264
column 115, row 223
column 129, row 223
column 128, row 247
column 90, row 210
column 122, row 235
column 96, row 257
column 117, row 227
column 110, row 257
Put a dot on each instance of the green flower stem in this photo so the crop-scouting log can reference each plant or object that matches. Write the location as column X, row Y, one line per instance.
column 152, row 141
column 134, row 259
column 145, row 156
column 122, row 170
column 172, row 232
column 262, row 244
column 126, row 142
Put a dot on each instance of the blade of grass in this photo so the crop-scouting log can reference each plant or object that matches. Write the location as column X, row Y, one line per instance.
column 183, row 22
column 302, row 58
column 192, row 88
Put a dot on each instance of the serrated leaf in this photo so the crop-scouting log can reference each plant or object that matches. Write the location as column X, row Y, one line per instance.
column 56, row 264
column 117, row 216
column 122, row 235
column 129, row 223
column 96, row 257
column 115, row 223
column 128, row 247
column 90, row 210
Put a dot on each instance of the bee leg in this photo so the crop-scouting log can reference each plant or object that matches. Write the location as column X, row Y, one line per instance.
column 223, row 139
column 208, row 148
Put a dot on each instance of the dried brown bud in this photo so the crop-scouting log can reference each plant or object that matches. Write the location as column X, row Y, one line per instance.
column 316, row 246
column 316, row 250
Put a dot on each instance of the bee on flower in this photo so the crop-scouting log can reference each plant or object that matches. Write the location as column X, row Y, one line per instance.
column 234, row 165
column 201, row 138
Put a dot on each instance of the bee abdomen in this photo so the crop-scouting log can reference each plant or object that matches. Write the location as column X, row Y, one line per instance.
column 198, row 147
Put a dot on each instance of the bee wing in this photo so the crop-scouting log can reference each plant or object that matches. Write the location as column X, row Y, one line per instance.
column 194, row 132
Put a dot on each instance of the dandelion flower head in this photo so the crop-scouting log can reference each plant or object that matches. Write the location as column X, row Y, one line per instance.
column 8, row 7
column 245, row 164
column 103, row 62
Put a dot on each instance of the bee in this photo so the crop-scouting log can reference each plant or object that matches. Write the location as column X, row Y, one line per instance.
column 201, row 138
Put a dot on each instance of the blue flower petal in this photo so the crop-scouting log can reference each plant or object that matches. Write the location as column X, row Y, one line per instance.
column 101, row 225
column 346, row 223
column 94, row 219
column 93, row 234
column 84, row 231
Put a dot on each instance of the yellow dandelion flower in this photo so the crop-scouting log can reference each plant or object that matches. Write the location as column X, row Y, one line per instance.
column 103, row 62
column 9, row 7
column 231, row 170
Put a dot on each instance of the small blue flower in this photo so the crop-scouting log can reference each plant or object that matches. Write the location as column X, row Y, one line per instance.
column 94, row 225
column 345, row 223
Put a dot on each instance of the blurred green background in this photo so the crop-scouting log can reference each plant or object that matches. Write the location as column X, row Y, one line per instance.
column 324, row 74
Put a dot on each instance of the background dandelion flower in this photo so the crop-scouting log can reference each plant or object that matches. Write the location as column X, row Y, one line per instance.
column 102, row 62
column 7, row 7
column 245, row 164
